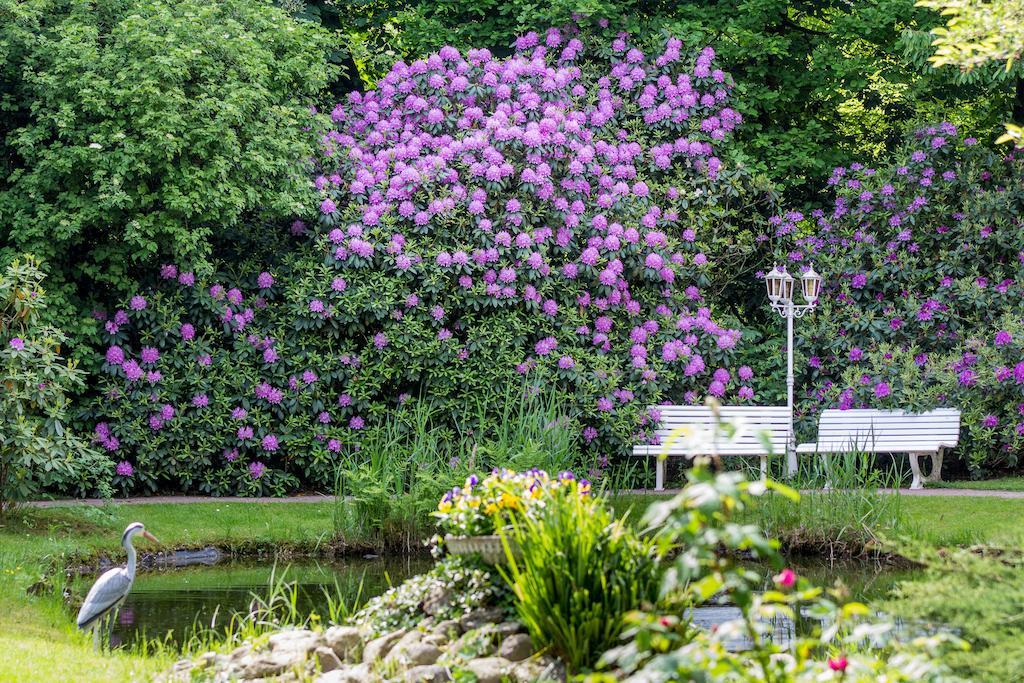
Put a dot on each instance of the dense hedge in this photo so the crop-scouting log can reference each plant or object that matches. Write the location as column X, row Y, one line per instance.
column 135, row 131
column 924, row 265
column 480, row 220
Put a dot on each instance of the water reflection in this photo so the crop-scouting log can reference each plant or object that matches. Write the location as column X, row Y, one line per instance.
column 170, row 603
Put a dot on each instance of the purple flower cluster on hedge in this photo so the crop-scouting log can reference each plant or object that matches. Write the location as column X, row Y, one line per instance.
column 480, row 220
column 924, row 274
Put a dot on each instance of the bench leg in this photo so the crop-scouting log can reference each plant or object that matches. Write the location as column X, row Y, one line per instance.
column 915, row 467
column 764, row 467
column 826, row 459
column 936, row 473
column 659, row 478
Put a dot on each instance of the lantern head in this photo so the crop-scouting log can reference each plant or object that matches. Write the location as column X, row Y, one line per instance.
column 810, row 282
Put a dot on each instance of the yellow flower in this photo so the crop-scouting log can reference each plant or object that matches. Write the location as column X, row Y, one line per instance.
column 444, row 506
column 490, row 508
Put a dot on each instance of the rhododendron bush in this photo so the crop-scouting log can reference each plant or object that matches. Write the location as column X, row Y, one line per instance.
column 923, row 305
column 550, row 218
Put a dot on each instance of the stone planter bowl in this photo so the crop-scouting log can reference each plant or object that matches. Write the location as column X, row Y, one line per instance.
column 488, row 547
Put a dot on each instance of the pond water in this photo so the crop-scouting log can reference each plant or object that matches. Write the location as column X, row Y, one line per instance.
column 169, row 604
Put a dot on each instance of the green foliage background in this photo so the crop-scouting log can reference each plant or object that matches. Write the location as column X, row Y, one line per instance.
column 133, row 130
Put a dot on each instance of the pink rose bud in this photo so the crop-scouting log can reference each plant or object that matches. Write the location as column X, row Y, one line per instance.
column 838, row 663
column 786, row 578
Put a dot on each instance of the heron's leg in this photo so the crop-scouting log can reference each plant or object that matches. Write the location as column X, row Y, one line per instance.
column 95, row 636
column 112, row 619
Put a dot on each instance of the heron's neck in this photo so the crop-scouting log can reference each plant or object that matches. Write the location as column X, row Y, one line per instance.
column 130, row 549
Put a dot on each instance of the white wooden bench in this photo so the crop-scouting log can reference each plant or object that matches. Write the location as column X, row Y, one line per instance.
column 889, row 431
column 751, row 420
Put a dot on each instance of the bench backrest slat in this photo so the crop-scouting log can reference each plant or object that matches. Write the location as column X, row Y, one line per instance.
column 888, row 430
column 755, row 419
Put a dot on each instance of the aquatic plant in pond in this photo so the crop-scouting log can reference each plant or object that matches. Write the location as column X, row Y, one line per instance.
column 922, row 303
column 480, row 221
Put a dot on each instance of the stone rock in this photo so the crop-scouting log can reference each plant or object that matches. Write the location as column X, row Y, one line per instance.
column 430, row 673
column 240, row 652
column 516, row 647
column 435, row 639
column 399, row 651
column 356, row 673
column 269, row 664
column 448, row 628
column 539, row 670
column 327, row 659
column 436, row 600
column 490, row 669
column 298, row 639
column 480, row 617
column 507, row 628
column 181, row 666
column 419, row 654
column 380, row 647
column 346, row 642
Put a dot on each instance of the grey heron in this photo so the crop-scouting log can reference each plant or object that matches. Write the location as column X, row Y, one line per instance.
column 110, row 590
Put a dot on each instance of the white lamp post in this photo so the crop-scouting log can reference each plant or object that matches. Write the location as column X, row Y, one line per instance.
column 780, row 293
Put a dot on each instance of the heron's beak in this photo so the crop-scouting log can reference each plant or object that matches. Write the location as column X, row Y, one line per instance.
column 149, row 536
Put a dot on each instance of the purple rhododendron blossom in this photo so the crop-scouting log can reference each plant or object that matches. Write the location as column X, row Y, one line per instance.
column 115, row 355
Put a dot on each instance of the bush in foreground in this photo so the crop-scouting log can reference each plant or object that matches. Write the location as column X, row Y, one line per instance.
column 575, row 571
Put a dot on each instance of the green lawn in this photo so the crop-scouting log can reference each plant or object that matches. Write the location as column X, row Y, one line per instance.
column 935, row 520
column 33, row 540
column 1001, row 484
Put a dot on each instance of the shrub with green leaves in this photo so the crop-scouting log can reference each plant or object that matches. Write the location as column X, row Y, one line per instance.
column 923, row 261
column 576, row 572
column 38, row 448
column 135, row 130
column 832, row 639
column 465, row 241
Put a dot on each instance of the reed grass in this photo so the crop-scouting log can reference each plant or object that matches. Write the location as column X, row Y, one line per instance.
column 848, row 519
column 387, row 489
column 576, row 571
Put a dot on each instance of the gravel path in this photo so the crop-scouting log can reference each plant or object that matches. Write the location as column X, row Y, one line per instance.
column 314, row 498
column 323, row 498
